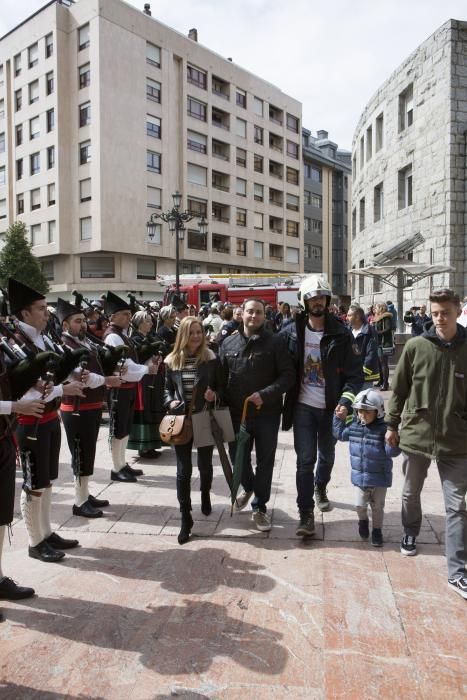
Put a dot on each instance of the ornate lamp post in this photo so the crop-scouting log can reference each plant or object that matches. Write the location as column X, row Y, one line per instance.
column 176, row 220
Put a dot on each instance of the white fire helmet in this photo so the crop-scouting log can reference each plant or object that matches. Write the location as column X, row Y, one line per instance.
column 370, row 400
column 313, row 286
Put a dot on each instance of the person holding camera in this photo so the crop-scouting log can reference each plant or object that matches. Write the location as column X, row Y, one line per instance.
column 417, row 317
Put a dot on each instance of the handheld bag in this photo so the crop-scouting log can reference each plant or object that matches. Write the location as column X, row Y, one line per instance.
column 202, row 426
column 177, row 429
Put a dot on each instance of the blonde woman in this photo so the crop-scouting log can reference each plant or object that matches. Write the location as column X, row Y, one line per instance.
column 383, row 324
column 191, row 364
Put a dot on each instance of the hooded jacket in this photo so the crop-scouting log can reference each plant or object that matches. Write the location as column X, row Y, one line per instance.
column 429, row 399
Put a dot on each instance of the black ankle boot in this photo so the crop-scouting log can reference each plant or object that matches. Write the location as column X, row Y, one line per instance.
column 206, row 507
column 185, row 530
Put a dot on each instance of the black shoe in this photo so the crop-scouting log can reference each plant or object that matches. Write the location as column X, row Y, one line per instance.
column 87, row 511
column 149, row 454
column 133, row 472
column 363, row 529
column 45, row 552
column 58, row 542
column 98, row 502
column 306, row 527
column 206, row 507
column 185, row 530
column 2, row 617
column 376, row 537
column 122, row 475
column 9, row 590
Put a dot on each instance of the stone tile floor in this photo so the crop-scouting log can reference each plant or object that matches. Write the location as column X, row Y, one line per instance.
column 234, row 613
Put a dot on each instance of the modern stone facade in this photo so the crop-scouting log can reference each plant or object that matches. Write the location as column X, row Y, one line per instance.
column 326, row 173
column 105, row 113
column 408, row 162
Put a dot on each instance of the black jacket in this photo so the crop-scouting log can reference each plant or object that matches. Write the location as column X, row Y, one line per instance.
column 365, row 346
column 259, row 363
column 342, row 368
column 209, row 375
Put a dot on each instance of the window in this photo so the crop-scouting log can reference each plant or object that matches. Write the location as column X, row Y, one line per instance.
column 34, row 132
column 361, row 279
column 240, row 98
column 2, row 142
column 258, row 247
column 275, row 114
column 17, row 64
column 276, row 197
column 314, row 200
column 313, row 173
column 379, row 132
column 35, row 196
column 197, row 207
column 146, row 269
column 220, row 181
column 316, row 226
column 275, row 142
column 19, row 135
column 197, row 240
column 84, row 73
column 18, row 99
column 20, row 203
column 275, row 224
column 50, row 157
column 362, row 152
column 33, row 55
column 258, row 192
column 83, row 37
column 2, row 208
column 258, row 106
column 153, row 126
column 292, row 202
column 258, row 220
column 19, row 168
column 220, row 149
column 378, row 202
column 153, row 54
column 35, row 231
column 196, row 76
column 33, row 92
column 85, row 114
column 241, row 157
column 354, row 223
column 313, row 252
column 85, row 190
column 196, row 109
column 369, row 143
column 51, row 194
column 34, row 164
column 240, row 127
column 49, row 45
column 92, row 267
column 292, row 123
column 51, row 228
column 220, row 118
column 242, row 246
column 405, row 187
column 307, row 223
column 220, row 87
column 240, row 187
column 258, row 163
column 197, row 142
column 275, row 169
column 406, row 108
column 49, row 83
column 153, row 90
column 292, row 228
column 241, row 217
column 47, row 267
column 154, row 234
column 292, row 176
column 50, row 119
column 84, row 152
column 354, row 166
column 220, row 244
column 85, row 228
column 292, row 149
column 362, row 214
column 292, row 255
column 153, row 161
column 258, row 135
column 197, row 174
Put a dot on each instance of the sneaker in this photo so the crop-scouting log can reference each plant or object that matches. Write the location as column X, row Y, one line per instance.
column 408, row 546
column 459, row 584
column 306, row 527
column 363, row 529
column 376, row 537
column 321, row 497
column 261, row 520
column 241, row 501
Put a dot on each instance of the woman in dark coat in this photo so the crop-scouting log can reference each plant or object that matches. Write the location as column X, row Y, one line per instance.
column 383, row 323
column 191, row 370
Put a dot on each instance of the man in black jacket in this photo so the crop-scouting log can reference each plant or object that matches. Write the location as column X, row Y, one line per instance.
column 328, row 376
column 258, row 368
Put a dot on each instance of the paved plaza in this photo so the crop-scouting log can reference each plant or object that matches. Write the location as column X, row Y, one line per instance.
column 234, row 613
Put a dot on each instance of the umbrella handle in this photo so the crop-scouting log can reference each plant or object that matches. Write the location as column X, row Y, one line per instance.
column 245, row 411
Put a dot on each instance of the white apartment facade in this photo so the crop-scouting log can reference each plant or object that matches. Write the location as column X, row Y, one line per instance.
column 104, row 113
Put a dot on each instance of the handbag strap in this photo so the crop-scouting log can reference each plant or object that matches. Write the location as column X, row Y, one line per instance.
column 192, row 402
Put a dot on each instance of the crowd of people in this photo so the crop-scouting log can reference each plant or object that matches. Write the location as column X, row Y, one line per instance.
column 316, row 367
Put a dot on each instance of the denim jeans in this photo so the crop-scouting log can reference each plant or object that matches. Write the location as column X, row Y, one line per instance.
column 263, row 430
column 453, row 475
column 185, row 468
column 312, row 432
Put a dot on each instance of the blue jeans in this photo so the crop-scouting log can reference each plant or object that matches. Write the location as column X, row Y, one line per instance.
column 263, row 430
column 312, row 432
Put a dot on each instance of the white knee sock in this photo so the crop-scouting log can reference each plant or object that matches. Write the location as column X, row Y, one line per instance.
column 31, row 510
column 124, row 446
column 2, row 537
column 116, row 450
column 81, row 490
column 46, row 505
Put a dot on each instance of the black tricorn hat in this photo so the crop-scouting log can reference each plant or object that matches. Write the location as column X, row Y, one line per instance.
column 65, row 309
column 113, row 304
column 21, row 296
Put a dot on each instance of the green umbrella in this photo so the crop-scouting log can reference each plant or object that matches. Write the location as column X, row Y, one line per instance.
column 242, row 450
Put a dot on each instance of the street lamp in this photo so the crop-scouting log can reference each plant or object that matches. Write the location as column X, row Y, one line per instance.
column 176, row 220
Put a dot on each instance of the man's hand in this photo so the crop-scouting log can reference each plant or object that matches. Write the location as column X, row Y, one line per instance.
column 82, row 375
column 255, row 399
column 28, row 408
column 45, row 388
column 341, row 412
column 113, row 382
column 74, row 389
column 154, row 365
column 392, row 438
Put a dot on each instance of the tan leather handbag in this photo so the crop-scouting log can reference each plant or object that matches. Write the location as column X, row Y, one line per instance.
column 177, row 429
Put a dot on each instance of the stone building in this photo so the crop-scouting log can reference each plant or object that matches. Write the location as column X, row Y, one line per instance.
column 408, row 169
column 105, row 113
column 326, row 172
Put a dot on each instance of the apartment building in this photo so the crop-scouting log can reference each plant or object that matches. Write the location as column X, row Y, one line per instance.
column 105, row 113
column 327, row 170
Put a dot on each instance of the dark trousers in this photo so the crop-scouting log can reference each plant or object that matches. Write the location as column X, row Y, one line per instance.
column 43, row 453
column 312, row 432
column 263, row 430
column 82, row 432
column 7, row 480
column 185, row 468
column 121, row 411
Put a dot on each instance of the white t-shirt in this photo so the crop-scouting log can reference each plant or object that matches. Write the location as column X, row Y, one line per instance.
column 313, row 383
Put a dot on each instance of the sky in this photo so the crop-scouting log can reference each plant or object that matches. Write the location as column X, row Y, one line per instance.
column 331, row 55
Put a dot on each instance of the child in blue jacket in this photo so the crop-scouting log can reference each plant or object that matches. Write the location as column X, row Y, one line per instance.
column 370, row 460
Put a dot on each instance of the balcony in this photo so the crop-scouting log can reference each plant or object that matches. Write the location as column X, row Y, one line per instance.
column 220, row 212
column 220, row 244
column 220, row 119
column 276, row 169
column 275, row 224
column 220, row 181
column 276, row 252
column 276, row 197
column 220, row 88
column 276, row 115
column 220, row 150
column 276, row 143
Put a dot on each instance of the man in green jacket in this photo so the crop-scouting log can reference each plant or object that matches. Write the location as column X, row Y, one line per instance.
column 430, row 386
